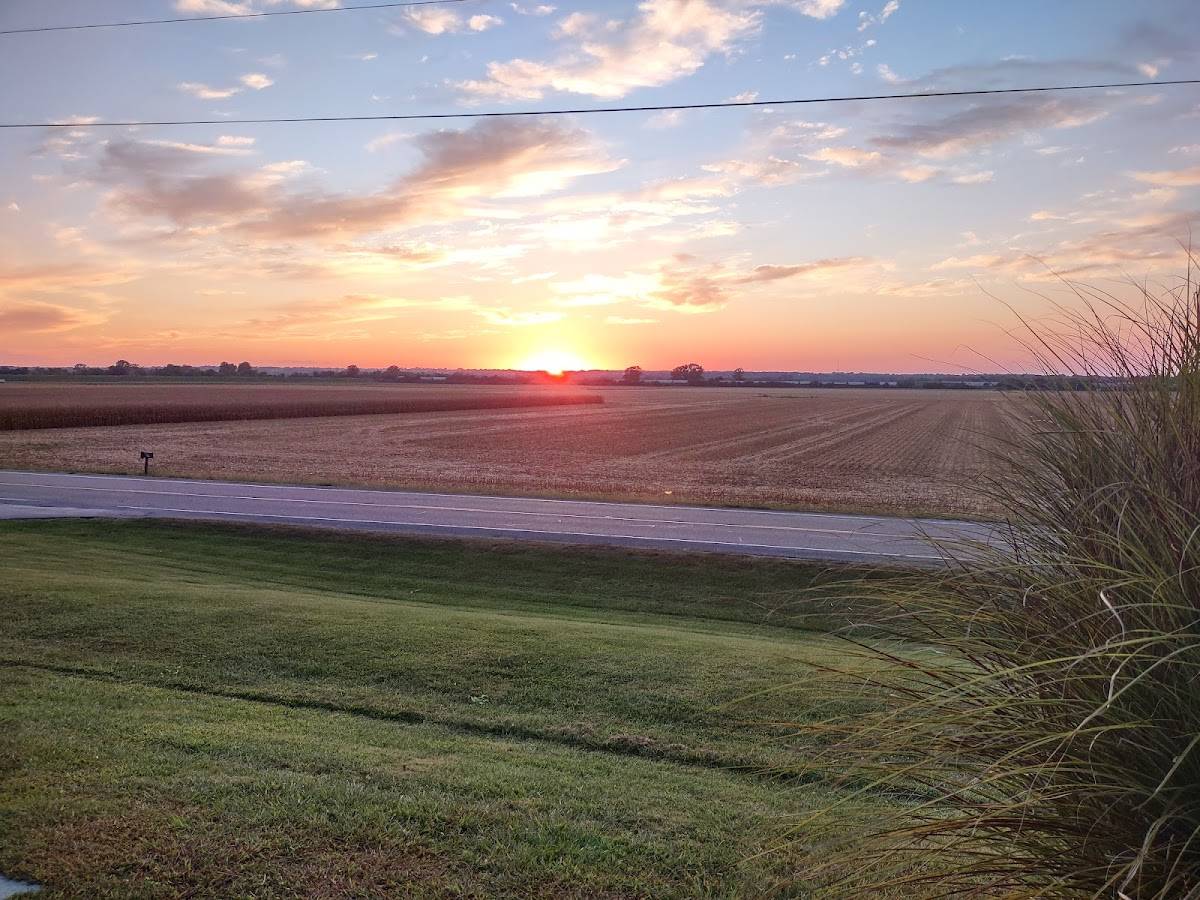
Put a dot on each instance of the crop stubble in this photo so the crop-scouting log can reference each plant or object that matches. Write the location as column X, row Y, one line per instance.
column 869, row 449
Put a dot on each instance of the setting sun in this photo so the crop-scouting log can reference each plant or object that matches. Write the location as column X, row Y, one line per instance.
column 555, row 362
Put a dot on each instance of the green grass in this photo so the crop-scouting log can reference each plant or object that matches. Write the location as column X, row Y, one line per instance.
column 222, row 711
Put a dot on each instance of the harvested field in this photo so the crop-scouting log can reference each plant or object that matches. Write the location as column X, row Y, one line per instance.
column 902, row 451
column 24, row 407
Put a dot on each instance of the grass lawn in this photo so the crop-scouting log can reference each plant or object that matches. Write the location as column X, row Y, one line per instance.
column 209, row 710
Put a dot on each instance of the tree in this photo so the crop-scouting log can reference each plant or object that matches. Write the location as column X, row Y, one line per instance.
column 121, row 367
column 633, row 375
column 227, row 368
column 244, row 368
column 352, row 371
column 739, row 374
column 692, row 373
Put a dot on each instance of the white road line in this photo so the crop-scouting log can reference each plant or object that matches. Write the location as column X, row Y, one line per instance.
column 652, row 540
column 315, row 487
column 463, row 509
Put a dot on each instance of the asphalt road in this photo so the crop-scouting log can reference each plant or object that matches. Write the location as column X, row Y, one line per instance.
column 747, row 532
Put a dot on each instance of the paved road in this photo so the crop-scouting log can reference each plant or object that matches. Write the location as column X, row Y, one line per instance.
column 747, row 532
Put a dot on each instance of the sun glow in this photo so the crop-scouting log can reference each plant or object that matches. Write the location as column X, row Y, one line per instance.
column 555, row 362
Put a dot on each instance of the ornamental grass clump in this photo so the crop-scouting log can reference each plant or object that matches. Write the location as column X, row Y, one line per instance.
column 1038, row 724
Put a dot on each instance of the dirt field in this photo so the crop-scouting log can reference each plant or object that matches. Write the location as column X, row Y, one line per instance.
column 874, row 450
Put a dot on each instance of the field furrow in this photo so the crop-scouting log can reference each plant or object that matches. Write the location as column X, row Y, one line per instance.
column 863, row 449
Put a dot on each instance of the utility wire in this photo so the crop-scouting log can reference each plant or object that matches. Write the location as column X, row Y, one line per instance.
column 227, row 16
column 728, row 104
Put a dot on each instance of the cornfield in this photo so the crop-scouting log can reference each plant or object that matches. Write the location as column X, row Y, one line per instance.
column 32, row 408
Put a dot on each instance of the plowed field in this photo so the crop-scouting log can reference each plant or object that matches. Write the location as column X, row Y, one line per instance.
column 913, row 451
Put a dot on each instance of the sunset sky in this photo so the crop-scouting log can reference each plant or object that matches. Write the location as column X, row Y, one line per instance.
column 855, row 236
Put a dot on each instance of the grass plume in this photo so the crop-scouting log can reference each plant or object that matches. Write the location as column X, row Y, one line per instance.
column 1045, row 732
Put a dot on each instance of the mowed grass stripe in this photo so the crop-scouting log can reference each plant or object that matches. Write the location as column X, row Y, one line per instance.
column 591, row 682
column 137, row 766
column 682, row 591
column 118, row 791
column 618, row 745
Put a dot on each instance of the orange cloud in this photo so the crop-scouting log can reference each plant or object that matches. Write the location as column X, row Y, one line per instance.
column 666, row 40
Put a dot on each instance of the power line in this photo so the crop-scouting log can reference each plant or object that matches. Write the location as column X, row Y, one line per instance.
column 727, row 104
column 252, row 15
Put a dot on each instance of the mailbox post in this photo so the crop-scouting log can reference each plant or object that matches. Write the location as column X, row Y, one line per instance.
column 146, row 457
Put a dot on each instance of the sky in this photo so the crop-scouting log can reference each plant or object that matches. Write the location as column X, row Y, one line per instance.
column 863, row 236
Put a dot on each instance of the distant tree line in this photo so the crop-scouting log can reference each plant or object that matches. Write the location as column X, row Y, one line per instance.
column 690, row 373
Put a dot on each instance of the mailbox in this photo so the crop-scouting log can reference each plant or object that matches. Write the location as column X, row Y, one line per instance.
column 146, row 457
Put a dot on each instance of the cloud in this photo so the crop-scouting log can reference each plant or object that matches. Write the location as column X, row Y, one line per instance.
column 668, row 118
column 626, row 320
column 494, row 159
column 1141, row 243
column 604, row 290
column 772, row 170
column 981, row 177
column 439, row 20
column 683, row 284
column 243, row 7
column 817, row 9
column 580, row 222
column 665, row 40
column 68, row 144
column 517, row 319
column 254, row 80
column 918, row 173
column 433, row 20
column 483, row 22
column 1170, row 177
column 14, row 206
column 847, row 157
column 213, row 7
column 850, row 51
column 934, row 287
column 887, row 74
column 1021, row 70
column 221, row 148
column 959, row 132
column 866, row 20
column 1156, row 195
column 30, row 317
column 166, row 180
column 204, row 92
column 384, row 140
column 977, row 261
column 774, row 273
column 541, row 9
column 351, row 315
column 27, row 296
column 257, row 81
column 230, row 140
column 18, row 283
